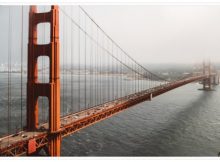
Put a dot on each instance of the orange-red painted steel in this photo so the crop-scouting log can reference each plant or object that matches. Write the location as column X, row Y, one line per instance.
column 52, row 89
column 31, row 146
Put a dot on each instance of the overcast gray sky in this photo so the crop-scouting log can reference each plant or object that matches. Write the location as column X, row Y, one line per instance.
column 149, row 33
column 163, row 33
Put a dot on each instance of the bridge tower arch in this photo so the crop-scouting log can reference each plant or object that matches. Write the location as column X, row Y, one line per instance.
column 207, row 82
column 50, row 90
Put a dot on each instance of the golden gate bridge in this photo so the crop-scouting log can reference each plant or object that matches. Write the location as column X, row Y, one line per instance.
column 75, row 76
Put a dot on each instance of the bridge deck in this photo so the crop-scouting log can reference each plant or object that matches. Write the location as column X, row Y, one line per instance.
column 17, row 144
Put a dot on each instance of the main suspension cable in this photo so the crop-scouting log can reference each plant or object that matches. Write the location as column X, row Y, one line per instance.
column 118, row 45
column 80, row 28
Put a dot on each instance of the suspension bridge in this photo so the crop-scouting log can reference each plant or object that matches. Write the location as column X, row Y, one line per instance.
column 75, row 76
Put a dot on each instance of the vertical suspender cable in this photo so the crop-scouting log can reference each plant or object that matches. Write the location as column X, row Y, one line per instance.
column 105, row 65
column 97, row 67
column 151, row 80
column 124, row 78
column 135, row 77
column 117, row 80
column 121, row 73
column 79, row 65
column 138, row 78
column 9, row 72
column 72, row 47
column 100, row 74
column 102, row 94
column 103, row 70
column 63, row 87
column 99, row 86
column 141, row 81
column 108, row 64
column 91, row 69
column 85, row 66
column 21, row 66
column 112, row 72
column 95, row 59
column 112, row 75
column 132, row 78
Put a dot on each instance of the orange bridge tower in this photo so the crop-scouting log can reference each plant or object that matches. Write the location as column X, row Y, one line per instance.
column 50, row 90
column 207, row 83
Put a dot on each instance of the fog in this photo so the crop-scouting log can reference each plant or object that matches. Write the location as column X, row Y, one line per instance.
column 163, row 33
column 149, row 33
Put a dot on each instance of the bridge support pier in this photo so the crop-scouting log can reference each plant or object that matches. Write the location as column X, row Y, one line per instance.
column 207, row 84
column 50, row 90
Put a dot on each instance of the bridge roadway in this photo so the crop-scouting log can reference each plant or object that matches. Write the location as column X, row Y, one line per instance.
column 17, row 144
